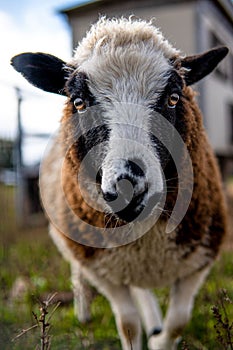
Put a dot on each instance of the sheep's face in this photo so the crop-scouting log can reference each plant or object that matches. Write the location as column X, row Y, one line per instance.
column 127, row 93
column 124, row 99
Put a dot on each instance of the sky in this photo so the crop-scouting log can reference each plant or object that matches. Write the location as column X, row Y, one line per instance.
column 31, row 25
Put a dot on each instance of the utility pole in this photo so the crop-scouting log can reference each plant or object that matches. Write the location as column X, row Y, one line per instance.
column 18, row 160
column 18, row 142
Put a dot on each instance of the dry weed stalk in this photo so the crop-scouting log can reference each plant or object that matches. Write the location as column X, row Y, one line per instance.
column 43, row 322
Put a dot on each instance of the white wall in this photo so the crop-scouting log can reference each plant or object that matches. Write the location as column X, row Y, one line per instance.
column 218, row 98
column 217, row 92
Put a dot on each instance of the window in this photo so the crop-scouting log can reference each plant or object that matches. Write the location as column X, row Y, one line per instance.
column 231, row 123
column 222, row 71
column 231, row 65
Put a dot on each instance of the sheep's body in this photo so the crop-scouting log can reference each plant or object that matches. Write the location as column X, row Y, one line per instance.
column 156, row 259
column 129, row 62
column 153, row 261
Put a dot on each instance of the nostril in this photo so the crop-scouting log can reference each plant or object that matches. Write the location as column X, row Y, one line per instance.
column 110, row 196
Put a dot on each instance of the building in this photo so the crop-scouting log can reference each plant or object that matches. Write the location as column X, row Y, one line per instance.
column 192, row 26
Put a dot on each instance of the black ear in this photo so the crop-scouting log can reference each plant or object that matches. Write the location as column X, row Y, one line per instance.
column 42, row 70
column 201, row 65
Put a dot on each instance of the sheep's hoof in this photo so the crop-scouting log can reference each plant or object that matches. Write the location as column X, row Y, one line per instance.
column 162, row 342
column 82, row 313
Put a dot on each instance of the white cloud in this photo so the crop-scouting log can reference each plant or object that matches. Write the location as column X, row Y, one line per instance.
column 40, row 31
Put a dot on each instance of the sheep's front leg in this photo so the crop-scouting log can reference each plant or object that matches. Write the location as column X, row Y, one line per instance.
column 179, row 311
column 126, row 315
column 149, row 310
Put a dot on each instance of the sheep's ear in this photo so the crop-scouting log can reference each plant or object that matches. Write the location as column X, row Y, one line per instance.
column 41, row 70
column 201, row 65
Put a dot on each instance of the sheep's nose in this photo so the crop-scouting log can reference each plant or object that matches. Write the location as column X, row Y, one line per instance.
column 110, row 196
column 126, row 195
column 125, row 202
column 123, row 189
column 127, row 184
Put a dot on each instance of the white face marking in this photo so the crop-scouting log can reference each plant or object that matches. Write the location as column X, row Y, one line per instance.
column 126, row 80
column 129, row 140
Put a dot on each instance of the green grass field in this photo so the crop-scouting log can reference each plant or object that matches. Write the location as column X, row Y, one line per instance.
column 30, row 254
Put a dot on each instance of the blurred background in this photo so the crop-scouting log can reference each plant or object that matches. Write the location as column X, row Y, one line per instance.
column 29, row 116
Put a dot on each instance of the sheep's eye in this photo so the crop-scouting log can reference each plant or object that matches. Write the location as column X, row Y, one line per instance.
column 173, row 100
column 80, row 105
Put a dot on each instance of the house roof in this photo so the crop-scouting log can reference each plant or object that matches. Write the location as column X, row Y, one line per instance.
column 225, row 6
column 94, row 4
column 83, row 6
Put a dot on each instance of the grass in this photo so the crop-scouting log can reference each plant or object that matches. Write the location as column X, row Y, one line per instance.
column 29, row 255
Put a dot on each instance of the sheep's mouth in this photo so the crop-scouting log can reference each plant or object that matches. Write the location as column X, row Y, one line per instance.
column 128, row 214
column 138, row 209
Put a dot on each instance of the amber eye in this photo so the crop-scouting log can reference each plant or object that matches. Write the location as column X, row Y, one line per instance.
column 80, row 105
column 172, row 100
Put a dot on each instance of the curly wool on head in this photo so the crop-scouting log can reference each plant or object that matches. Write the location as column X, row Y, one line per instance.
column 116, row 32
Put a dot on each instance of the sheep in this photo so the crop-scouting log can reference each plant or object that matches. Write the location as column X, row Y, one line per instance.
column 131, row 145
